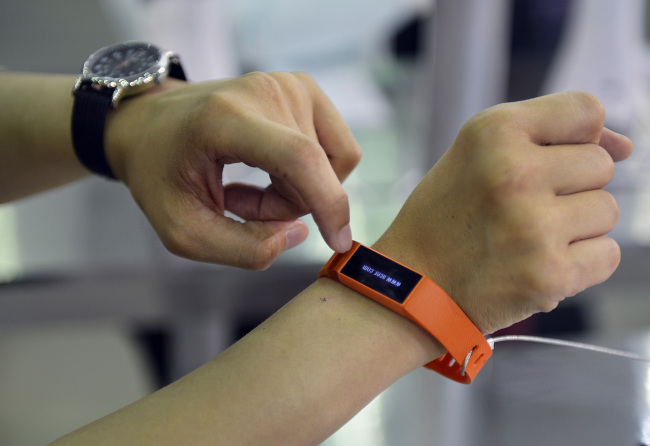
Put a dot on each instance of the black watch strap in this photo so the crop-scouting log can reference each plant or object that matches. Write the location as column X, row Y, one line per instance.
column 176, row 70
column 88, row 119
column 89, row 112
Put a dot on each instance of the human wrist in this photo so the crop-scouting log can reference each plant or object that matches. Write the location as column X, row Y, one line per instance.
column 419, row 299
column 125, row 130
column 394, row 245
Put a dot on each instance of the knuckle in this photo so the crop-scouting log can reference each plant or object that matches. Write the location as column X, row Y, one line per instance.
column 589, row 104
column 353, row 155
column 218, row 103
column 264, row 84
column 490, row 122
column 339, row 200
column 605, row 263
column 305, row 152
column 300, row 161
column 285, row 78
column 612, row 206
column 259, row 257
column 295, row 93
column 603, row 162
column 304, row 77
column 487, row 140
column 612, row 259
column 258, row 77
column 345, row 162
column 306, row 81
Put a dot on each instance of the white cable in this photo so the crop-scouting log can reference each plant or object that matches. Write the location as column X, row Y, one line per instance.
column 570, row 344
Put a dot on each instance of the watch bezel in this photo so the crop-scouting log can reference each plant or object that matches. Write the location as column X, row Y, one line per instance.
column 126, row 85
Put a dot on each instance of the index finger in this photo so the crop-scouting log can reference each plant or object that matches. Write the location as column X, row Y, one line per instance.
column 301, row 161
column 332, row 131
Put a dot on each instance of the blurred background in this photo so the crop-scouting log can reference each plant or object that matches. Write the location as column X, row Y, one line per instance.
column 94, row 313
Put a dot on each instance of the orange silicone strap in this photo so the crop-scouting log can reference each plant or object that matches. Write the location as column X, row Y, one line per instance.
column 432, row 308
column 429, row 306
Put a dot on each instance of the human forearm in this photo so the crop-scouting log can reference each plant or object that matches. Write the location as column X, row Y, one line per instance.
column 294, row 380
column 509, row 222
column 35, row 140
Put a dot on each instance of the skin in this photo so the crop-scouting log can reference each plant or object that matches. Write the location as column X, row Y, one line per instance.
column 169, row 146
column 510, row 221
column 522, row 212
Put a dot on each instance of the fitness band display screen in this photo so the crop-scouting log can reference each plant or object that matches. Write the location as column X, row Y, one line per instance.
column 381, row 274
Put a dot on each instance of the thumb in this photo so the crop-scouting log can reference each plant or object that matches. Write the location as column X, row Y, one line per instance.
column 295, row 233
column 256, row 244
column 619, row 146
column 218, row 239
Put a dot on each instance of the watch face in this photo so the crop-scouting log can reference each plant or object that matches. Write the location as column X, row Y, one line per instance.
column 123, row 60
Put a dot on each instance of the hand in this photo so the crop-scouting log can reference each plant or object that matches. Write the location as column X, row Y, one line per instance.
column 170, row 148
column 513, row 217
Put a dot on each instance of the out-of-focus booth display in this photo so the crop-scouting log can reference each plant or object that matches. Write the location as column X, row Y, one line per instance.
column 94, row 313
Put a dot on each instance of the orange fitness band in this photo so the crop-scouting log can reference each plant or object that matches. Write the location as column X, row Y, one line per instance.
column 419, row 299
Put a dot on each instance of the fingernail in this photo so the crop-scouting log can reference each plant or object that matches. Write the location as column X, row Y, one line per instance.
column 343, row 240
column 296, row 236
